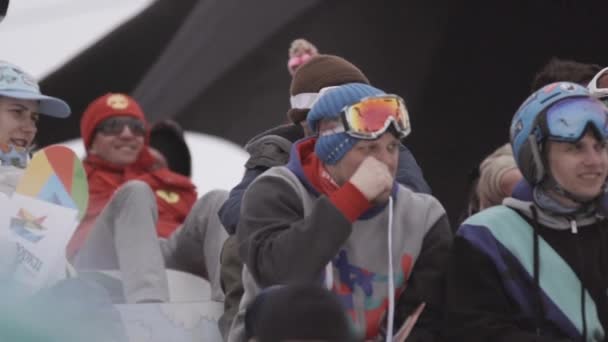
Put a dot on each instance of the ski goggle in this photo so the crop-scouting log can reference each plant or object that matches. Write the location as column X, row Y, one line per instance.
column 568, row 119
column 603, row 99
column 372, row 116
column 596, row 91
column 115, row 126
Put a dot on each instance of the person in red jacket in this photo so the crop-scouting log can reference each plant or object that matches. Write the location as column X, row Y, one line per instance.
column 115, row 135
column 141, row 216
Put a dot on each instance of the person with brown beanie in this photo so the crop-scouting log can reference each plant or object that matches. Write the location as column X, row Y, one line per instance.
column 272, row 148
column 141, row 217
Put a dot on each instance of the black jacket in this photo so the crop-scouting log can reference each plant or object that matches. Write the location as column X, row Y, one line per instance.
column 479, row 306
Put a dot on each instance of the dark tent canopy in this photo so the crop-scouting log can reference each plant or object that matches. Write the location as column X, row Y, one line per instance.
column 219, row 67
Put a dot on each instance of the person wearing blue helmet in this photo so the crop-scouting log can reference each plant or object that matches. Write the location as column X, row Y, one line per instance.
column 533, row 268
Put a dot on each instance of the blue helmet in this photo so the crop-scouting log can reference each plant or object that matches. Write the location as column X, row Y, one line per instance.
column 561, row 111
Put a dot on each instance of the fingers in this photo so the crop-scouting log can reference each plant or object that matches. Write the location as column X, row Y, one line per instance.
column 373, row 179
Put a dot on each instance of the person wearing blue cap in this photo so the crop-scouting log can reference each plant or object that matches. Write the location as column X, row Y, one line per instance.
column 334, row 215
column 55, row 312
column 20, row 104
column 534, row 268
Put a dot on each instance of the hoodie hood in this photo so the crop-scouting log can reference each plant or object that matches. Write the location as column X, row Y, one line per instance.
column 272, row 147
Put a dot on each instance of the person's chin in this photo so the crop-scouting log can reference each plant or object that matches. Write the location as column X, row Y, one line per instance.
column 125, row 160
column 129, row 161
column 589, row 194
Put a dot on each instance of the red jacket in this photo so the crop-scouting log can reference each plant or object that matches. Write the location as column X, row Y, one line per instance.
column 175, row 194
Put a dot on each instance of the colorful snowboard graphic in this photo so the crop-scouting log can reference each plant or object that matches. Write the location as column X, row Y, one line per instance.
column 41, row 216
column 55, row 175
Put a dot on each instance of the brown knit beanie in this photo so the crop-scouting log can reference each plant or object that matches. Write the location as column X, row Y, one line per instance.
column 319, row 72
column 300, row 52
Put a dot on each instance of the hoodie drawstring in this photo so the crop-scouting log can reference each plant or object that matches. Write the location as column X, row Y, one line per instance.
column 540, row 310
column 581, row 262
column 391, row 276
column 329, row 276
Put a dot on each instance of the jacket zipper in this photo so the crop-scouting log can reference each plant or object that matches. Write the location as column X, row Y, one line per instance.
column 573, row 226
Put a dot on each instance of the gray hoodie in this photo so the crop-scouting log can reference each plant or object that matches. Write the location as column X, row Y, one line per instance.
column 288, row 234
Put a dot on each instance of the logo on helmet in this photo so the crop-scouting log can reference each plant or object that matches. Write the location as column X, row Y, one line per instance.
column 516, row 129
column 568, row 86
column 551, row 87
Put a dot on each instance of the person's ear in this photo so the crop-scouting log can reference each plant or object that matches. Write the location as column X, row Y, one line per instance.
column 509, row 180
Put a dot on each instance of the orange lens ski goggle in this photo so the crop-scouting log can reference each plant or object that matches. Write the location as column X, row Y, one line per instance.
column 372, row 116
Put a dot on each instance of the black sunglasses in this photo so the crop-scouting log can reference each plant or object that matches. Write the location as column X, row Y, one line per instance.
column 115, row 126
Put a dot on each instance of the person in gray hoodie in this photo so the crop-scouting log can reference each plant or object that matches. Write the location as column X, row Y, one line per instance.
column 272, row 148
column 335, row 215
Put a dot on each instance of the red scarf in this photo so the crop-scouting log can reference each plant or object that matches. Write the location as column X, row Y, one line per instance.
column 347, row 198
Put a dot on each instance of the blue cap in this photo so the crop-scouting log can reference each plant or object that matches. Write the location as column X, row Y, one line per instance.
column 16, row 83
column 331, row 148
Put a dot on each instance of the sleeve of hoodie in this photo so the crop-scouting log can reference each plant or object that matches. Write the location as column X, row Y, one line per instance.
column 427, row 284
column 478, row 309
column 409, row 173
column 229, row 213
column 279, row 244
